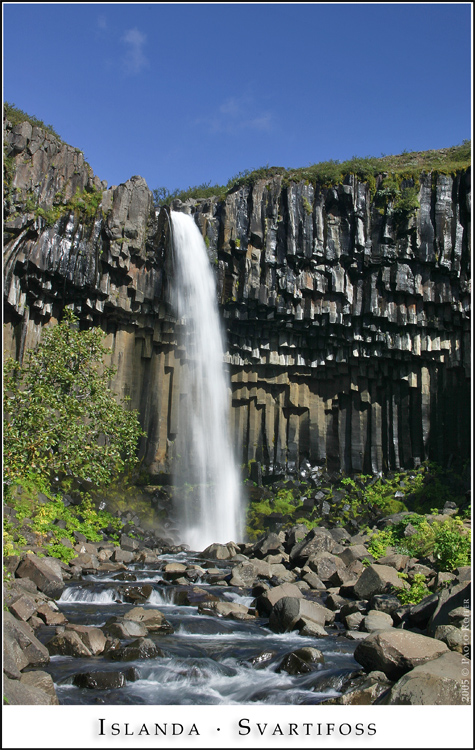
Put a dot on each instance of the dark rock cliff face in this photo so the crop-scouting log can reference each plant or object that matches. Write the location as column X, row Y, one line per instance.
column 348, row 322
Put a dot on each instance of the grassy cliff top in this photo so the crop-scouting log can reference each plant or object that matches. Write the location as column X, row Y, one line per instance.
column 409, row 164
column 400, row 166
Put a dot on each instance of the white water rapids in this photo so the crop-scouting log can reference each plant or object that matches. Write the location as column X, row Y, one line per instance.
column 206, row 476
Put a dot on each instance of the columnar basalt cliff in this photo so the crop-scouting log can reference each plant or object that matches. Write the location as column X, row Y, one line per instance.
column 347, row 318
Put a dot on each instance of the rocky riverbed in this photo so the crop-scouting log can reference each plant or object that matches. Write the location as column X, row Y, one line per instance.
column 299, row 616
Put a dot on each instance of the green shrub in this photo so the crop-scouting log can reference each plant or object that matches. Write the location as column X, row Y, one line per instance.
column 417, row 591
column 61, row 418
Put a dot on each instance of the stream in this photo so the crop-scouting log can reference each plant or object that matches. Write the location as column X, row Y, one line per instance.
column 206, row 660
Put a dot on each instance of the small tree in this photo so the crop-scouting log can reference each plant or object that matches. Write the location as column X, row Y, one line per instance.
column 61, row 418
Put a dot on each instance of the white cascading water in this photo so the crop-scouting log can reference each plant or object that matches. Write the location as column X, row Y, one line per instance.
column 206, row 476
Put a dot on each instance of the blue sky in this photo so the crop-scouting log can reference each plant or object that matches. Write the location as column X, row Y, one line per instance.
column 189, row 93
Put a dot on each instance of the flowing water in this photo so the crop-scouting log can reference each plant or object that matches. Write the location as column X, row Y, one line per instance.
column 211, row 509
column 206, row 660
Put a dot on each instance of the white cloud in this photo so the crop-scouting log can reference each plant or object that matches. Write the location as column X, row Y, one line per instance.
column 102, row 22
column 236, row 114
column 134, row 60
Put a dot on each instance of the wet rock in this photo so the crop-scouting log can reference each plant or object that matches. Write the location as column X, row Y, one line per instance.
column 93, row 638
column 261, row 660
column 152, row 619
column 444, row 681
column 68, row 643
column 292, row 613
column 100, row 680
column 121, row 628
column 45, row 572
column 365, row 690
column 301, row 661
column 136, row 593
column 395, row 652
column 125, row 575
column 226, row 609
column 142, row 648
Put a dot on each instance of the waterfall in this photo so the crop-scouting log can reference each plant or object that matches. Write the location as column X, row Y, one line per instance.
column 206, row 477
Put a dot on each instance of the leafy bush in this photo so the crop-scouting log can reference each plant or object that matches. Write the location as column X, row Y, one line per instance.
column 447, row 541
column 417, row 591
column 62, row 419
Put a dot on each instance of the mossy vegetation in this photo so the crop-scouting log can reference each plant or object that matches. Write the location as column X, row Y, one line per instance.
column 35, row 512
column 85, row 203
column 357, row 502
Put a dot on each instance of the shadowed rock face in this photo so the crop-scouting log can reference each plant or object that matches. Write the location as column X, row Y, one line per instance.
column 347, row 323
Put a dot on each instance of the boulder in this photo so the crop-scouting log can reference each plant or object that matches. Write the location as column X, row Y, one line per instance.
column 33, row 650
column 141, row 648
column 292, row 613
column 449, row 599
column 455, row 638
column 51, row 616
column 420, row 614
column 247, row 574
column 270, row 544
column 317, row 540
column 269, row 598
column 122, row 628
column 396, row 652
column 153, row 620
column 364, row 693
column 301, row 661
column 100, row 680
column 355, row 552
column 93, row 638
column 226, row 609
column 220, row 551
column 444, row 681
column 19, row 693
column 68, row 644
column 41, row 681
column 377, row 579
column 375, row 620
column 23, row 608
column 45, row 572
